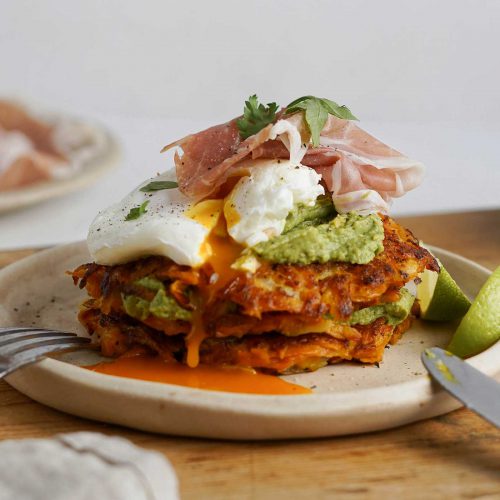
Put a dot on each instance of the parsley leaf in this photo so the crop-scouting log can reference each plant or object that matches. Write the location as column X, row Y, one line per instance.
column 256, row 116
column 337, row 110
column 158, row 186
column 316, row 116
column 136, row 212
column 316, row 111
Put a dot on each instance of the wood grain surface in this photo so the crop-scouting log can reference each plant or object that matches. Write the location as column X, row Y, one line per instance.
column 453, row 456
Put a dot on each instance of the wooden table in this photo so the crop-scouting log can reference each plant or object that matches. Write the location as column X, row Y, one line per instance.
column 453, row 456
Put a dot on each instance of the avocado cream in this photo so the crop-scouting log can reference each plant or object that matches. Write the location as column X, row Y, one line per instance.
column 322, row 211
column 393, row 312
column 348, row 237
column 162, row 306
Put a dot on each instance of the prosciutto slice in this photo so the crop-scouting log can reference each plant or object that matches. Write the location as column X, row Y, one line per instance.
column 209, row 155
column 368, row 173
column 21, row 164
column 361, row 172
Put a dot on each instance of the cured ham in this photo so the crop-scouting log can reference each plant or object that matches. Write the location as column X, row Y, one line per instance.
column 38, row 146
column 367, row 173
column 21, row 164
column 204, row 153
column 361, row 172
column 27, row 150
column 209, row 155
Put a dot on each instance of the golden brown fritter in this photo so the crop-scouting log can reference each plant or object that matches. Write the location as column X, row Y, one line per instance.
column 336, row 288
column 282, row 317
column 272, row 352
column 313, row 290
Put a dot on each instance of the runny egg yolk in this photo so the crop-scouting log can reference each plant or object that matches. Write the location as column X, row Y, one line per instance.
column 219, row 251
column 206, row 213
column 231, row 215
column 218, row 378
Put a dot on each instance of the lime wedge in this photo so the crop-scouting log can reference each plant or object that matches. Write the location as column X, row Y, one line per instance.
column 440, row 297
column 480, row 327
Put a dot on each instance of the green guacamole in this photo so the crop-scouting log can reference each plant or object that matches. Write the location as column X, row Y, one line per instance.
column 393, row 312
column 162, row 306
column 322, row 211
column 346, row 238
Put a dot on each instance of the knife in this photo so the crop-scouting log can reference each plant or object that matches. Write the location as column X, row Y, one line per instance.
column 474, row 389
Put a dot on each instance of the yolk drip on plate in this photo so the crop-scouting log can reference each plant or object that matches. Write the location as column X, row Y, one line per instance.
column 220, row 251
column 153, row 368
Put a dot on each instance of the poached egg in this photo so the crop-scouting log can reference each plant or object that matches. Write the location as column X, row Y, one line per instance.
column 169, row 227
column 257, row 207
column 175, row 226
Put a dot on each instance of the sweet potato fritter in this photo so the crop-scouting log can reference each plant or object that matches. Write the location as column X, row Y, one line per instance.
column 281, row 318
column 336, row 288
column 273, row 352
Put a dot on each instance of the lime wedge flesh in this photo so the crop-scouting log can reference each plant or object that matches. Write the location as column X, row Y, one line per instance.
column 480, row 327
column 440, row 297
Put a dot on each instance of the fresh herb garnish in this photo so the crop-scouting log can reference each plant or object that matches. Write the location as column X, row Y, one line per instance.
column 316, row 111
column 158, row 186
column 256, row 116
column 136, row 212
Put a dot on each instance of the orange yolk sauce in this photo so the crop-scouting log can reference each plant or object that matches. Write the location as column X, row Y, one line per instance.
column 220, row 251
column 155, row 369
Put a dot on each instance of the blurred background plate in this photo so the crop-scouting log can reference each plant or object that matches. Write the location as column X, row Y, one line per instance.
column 98, row 153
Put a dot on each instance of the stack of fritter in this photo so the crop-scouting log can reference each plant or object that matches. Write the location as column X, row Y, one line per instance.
column 281, row 318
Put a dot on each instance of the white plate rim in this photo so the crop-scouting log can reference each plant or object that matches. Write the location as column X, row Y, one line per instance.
column 419, row 395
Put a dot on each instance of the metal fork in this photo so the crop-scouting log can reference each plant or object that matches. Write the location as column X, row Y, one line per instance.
column 22, row 346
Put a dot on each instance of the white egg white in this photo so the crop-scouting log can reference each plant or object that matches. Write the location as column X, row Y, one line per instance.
column 174, row 226
column 257, row 207
column 163, row 229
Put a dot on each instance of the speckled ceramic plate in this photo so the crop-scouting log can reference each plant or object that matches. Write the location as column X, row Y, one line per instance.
column 96, row 152
column 348, row 398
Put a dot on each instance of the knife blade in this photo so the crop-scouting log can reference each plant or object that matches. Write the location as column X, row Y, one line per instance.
column 475, row 390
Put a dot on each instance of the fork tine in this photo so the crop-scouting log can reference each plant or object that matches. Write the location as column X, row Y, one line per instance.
column 29, row 356
column 11, row 337
column 11, row 330
column 30, row 344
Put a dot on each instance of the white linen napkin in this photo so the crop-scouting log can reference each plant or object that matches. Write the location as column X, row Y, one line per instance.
column 83, row 466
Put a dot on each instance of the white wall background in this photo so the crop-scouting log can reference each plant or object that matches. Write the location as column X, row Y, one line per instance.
column 422, row 75
column 388, row 59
